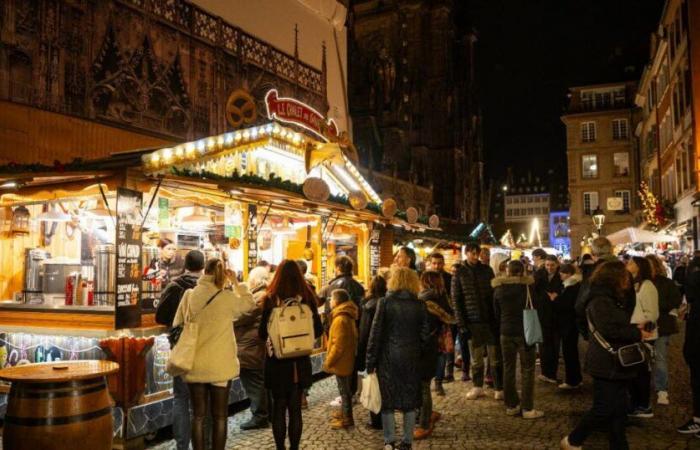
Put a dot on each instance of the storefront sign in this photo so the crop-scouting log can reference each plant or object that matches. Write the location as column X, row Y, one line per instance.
column 163, row 213
column 375, row 252
column 252, row 237
column 324, row 252
column 289, row 110
column 128, row 243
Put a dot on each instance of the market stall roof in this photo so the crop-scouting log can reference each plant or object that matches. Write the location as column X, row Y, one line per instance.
column 266, row 153
column 632, row 235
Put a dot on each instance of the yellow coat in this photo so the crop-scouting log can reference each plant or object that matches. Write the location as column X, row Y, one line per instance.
column 342, row 340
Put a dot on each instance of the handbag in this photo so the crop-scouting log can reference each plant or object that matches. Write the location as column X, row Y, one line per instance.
column 182, row 354
column 446, row 342
column 371, row 396
column 531, row 322
column 627, row 355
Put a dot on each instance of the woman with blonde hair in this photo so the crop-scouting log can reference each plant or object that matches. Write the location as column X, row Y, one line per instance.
column 215, row 360
column 398, row 336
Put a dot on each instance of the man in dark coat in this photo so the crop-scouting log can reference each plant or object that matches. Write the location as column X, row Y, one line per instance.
column 165, row 314
column 472, row 296
column 548, row 286
column 437, row 263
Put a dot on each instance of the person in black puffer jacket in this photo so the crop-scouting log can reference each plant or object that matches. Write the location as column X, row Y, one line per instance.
column 691, row 345
column 565, row 323
column 399, row 335
column 669, row 301
column 377, row 290
column 510, row 298
column 608, row 315
column 472, row 296
column 439, row 319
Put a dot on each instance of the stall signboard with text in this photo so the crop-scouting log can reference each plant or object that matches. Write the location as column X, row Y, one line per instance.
column 375, row 252
column 293, row 111
column 128, row 243
column 252, row 237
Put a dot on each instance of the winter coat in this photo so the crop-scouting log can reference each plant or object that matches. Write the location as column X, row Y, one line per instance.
column 691, row 346
column 173, row 268
column 646, row 308
column 369, row 307
column 565, row 304
column 584, row 294
column 509, row 299
column 281, row 375
column 396, row 342
column 215, row 358
column 171, row 296
column 669, row 299
column 354, row 289
column 438, row 317
column 543, row 286
column 472, row 295
column 251, row 349
column 679, row 276
column 609, row 317
column 342, row 340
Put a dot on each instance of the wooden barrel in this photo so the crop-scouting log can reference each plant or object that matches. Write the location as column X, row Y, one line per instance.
column 72, row 410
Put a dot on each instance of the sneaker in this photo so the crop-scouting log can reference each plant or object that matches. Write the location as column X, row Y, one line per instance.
column 568, row 387
column 513, row 411
column 475, row 393
column 641, row 413
column 546, row 379
column 692, row 427
column 389, row 446
column 498, row 395
column 564, row 444
column 532, row 414
column 336, row 402
column 662, row 398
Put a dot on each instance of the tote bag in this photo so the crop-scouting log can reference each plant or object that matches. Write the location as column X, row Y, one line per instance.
column 531, row 322
column 182, row 355
column 371, row 397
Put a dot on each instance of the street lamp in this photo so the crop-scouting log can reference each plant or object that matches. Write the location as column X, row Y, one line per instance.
column 598, row 219
column 504, row 188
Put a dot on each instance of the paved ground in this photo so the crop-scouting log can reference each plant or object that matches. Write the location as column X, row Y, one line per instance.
column 482, row 424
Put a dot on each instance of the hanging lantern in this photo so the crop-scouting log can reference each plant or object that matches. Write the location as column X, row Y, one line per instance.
column 412, row 215
column 357, row 200
column 316, row 189
column 389, row 208
column 20, row 220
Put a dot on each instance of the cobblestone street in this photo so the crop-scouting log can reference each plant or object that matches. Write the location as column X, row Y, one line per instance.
column 483, row 424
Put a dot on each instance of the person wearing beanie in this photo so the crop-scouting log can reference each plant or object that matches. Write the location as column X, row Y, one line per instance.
column 165, row 314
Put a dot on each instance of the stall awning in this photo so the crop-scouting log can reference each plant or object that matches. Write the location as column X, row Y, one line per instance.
column 632, row 235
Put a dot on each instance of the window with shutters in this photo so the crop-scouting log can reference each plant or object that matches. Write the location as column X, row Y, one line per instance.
column 626, row 199
column 620, row 129
column 588, row 131
column 590, row 202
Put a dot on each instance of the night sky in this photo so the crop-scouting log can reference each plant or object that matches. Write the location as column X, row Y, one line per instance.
column 532, row 50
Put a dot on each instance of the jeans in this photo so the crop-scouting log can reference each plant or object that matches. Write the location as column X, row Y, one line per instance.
column 389, row 424
column 609, row 410
column 478, row 354
column 181, row 414
column 287, row 403
column 345, row 390
column 440, row 369
column 512, row 347
column 253, row 381
column 661, row 370
column 426, row 409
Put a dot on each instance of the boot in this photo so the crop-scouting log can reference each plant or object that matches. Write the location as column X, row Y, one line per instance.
column 439, row 390
column 336, row 414
column 342, row 423
column 421, row 433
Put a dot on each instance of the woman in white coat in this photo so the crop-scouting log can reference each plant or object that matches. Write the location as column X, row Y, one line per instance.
column 215, row 360
column 645, row 315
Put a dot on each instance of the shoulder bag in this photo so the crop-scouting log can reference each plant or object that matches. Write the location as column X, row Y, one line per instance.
column 531, row 322
column 627, row 355
column 182, row 354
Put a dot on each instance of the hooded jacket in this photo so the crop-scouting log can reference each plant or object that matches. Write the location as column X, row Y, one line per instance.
column 509, row 298
column 342, row 340
column 171, row 296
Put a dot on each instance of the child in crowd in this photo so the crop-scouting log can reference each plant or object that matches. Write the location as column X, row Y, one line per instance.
column 340, row 355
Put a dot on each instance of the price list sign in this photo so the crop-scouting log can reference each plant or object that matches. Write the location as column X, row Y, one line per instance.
column 375, row 252
column 128, row 245
column 252, row 237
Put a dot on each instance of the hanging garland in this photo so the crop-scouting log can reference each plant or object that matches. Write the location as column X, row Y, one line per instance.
column 652, row 209
column 78, row 164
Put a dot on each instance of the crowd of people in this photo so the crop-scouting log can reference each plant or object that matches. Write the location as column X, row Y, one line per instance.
column 413, row 328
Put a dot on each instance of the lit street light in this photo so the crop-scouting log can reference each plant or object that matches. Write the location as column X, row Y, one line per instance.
column 598, row 219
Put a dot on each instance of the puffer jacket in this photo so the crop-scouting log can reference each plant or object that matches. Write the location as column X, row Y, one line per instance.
column 669, row 299
column 342, row 340
column 369, row 307
column 564, row 305
column 609, row 316
column 438, row 317
column 472, row 295
column 399, row 335
column 509, row 299
column 171, row 296
column 584, row 294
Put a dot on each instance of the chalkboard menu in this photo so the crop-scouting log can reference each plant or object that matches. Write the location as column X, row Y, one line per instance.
column 324, row 251
column 252, row 237
column 375, row 252
column 128, row 243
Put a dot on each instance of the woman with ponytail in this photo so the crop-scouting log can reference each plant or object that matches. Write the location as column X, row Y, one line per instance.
column 215, row 304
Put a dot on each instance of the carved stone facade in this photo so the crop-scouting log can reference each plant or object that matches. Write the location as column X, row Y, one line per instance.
column 163, row 68
column 412, row 99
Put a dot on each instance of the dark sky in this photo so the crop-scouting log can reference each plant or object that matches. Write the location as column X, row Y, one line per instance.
column 532, row 50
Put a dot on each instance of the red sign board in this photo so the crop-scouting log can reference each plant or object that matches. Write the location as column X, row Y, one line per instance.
column 293, row 111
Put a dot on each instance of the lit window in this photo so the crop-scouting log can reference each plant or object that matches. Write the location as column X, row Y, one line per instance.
column 620, row 129
column 622, row 164
column 590, row 202
column 589, row 163
column 588, row 131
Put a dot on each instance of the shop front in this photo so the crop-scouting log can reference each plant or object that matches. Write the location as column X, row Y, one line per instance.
column 86, row 252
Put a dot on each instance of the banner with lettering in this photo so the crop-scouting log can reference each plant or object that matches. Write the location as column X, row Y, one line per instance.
column 293, row 111
column 128, row 243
